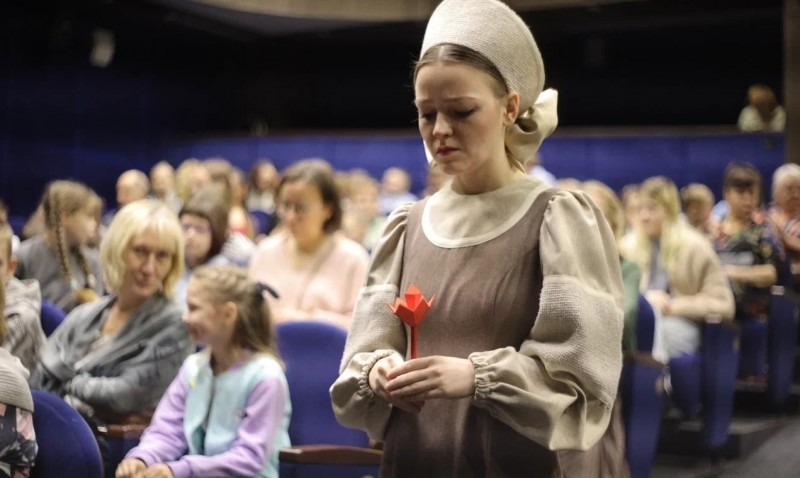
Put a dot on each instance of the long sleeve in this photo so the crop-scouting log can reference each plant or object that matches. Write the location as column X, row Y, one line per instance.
column 375, row 334
column 699, row 286
column 164, row 439
column 559, row 388
column 153, row 370
column 255, row 438
column 630, row 281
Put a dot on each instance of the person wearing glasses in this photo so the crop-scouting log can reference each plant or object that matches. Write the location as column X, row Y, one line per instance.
column 204, row 220
column 117, row 355
column 315, row 269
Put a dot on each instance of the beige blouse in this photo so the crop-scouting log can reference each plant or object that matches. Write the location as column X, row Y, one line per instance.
column 558, row 389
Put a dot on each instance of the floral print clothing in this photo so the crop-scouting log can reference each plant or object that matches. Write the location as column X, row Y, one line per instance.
column 755, row 244
column 17, row 442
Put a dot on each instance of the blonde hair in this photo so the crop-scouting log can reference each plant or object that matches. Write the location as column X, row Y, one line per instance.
column 228, row 283
column 783, row 173
column 609, row 203
column 664, row 193
column 69, row 197
column 3, row 325
column 185, row 177
column 6, row 240
column 134, row 219
column 696, row 193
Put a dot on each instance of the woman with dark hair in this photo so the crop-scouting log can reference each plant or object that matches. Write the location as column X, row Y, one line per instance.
column 204, row 220
column 316, row 270
column 748, row 246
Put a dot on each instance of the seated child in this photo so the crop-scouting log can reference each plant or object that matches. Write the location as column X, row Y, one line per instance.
column 227, row 412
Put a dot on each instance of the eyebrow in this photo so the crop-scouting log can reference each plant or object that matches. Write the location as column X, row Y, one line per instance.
column 453, row 99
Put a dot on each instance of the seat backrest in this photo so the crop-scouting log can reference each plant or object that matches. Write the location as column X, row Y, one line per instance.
column 266, row 222
column 311, row 352
column 67, row 446
column 645, row 326
column 52, row 317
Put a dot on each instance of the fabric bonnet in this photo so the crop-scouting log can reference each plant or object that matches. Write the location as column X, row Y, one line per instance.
column 491, row 28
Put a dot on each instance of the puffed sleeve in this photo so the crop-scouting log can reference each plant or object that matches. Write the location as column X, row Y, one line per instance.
column 375, row 334
column 559, row 388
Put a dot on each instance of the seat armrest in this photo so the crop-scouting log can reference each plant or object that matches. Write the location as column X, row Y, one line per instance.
column 331, row 455
column 126, row 431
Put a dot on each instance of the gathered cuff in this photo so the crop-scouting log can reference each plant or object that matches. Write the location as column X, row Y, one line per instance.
column 483, row 383
column 364, row 389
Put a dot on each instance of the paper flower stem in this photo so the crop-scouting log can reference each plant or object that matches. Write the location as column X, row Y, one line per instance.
column 413, row 342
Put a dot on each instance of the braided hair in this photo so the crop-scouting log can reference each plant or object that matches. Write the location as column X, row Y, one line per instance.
column 69, row 197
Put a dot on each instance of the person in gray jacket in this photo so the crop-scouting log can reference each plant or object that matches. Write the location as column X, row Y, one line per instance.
column 117, row 355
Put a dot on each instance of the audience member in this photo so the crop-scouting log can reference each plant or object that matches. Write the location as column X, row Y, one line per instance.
column 569, row 184
column 316, row 270
column 762, row 113
column 239, row 219
column 227, row 412
column 24, row 337
column 395, row 190
column 4, row 221
column 190, row 176
column 117, row 355
column 526, row 323
column 784, row 212
column 162, row 181
column 132, row 185
column 630, row 203
column 68, row 272
column 264, row 180
column 681, row 275
column 204, row 220
column 534, row 168
column 697, row 201
column 17, row 436
column 434, row 181
column 363, row 205
column 749, row 248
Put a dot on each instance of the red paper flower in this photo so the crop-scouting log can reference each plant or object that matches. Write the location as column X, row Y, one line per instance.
column 412, row 311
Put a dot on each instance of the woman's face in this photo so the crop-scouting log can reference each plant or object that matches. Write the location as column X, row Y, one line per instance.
column 302, row 211
column 198, row 234
column 461, row 118
column 651, row 217
column 79, row 227
column 147, row 261
column 742, row 202
column 787, row 195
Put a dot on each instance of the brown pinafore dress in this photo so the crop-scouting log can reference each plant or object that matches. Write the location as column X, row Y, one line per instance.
column 487, row 297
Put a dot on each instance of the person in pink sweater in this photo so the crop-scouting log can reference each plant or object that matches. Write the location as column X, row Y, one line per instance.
column 316, row 270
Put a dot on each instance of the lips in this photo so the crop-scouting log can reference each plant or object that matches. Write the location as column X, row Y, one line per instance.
column 445, row 150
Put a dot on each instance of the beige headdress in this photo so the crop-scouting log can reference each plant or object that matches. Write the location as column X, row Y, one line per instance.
column 491, row 28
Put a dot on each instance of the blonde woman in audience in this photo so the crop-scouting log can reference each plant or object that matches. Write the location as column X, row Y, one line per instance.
column 68, row 272
column 681, row 275
column 784, row 212
column 117, row 355
column 697, row 201
column 162, row 182
column 315, row 269
column 191, row 175
column 17, row 436
column 630, row 203
column 363, row 194
column 24, row 336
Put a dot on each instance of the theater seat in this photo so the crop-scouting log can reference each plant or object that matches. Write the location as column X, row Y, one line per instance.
column 642, row 395
column 782, row 342
column 704, row 382
column 311, row 352
column 67, row 447
column 51, row 317
column 645, row 326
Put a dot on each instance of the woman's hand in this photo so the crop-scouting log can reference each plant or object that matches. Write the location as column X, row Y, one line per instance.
column 432, row 377
column 659, row 299
column 159, row 471
column 378, row 379
column 131, row 468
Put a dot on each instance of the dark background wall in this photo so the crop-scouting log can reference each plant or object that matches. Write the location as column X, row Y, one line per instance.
column 174, row 77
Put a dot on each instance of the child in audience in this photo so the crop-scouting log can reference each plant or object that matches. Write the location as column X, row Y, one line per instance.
column 227, row 413
column 697, row 201
column 69, row 273
column 395, row 190
column 17, row 437
column 24, row 336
